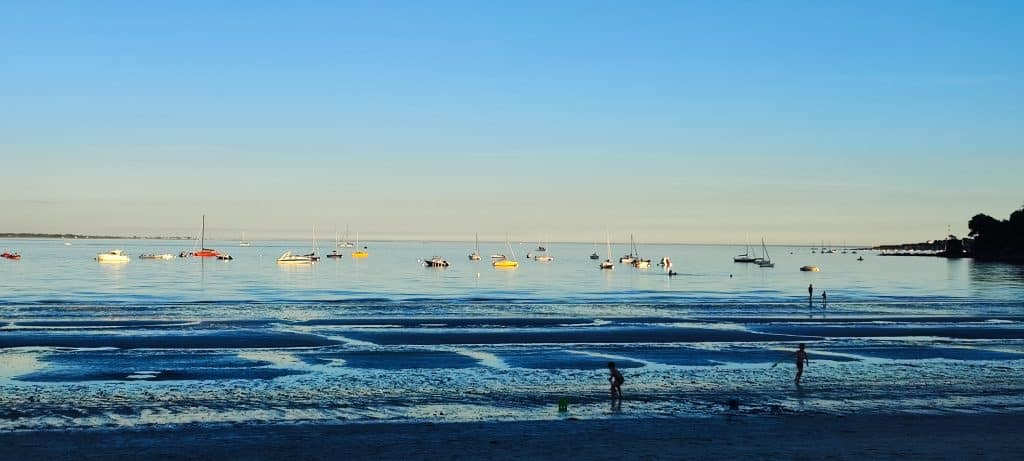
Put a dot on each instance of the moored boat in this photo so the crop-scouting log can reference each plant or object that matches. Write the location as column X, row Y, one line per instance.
column 436, row 261
column 112, row 256
column 334, row 254
column 289, row 258
column 505, row 262
column 204, row 252
column 157, row 256
column 810, row 268
column 13, row 256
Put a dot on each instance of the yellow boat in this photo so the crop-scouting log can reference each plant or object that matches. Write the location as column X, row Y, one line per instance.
column 507, row 263
column 359, row 253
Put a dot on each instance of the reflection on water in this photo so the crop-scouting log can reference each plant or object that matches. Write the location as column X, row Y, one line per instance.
column 996, row 274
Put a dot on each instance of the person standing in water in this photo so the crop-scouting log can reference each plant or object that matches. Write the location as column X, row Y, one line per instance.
column 801, row 360
column 824, row 299
column 810, row 293
column 616, row 380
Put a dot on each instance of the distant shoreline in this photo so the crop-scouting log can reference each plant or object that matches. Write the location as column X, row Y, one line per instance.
column 29, row 235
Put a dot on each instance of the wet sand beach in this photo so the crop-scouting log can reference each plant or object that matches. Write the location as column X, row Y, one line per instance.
column 867, row 436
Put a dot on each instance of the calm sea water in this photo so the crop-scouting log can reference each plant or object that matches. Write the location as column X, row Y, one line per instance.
column 189, row 340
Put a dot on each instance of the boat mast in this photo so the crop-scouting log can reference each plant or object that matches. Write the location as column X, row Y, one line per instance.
column 202, row 235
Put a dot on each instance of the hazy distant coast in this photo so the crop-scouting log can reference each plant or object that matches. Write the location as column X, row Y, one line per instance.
column 31, row 235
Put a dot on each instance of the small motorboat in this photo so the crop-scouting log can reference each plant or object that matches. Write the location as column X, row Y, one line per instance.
column 112, row 256
column 157, row 256
column 810, row 268
column 544, row 258
column 541, row 248
column 436, row 261
column 225, row 257
column 289, row 258
column 497, row 257
column 334, row 254
column 594, row 256
column 12, row 256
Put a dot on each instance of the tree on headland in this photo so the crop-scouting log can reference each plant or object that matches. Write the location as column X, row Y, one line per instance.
column 1001, row 240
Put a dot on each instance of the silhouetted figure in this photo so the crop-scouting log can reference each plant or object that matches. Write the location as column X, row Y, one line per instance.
column 616, row 381
column 801, row 360
column 824, row 299
column 810, row 293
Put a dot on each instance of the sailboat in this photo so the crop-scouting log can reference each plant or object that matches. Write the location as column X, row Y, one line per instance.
column 204, row 252
column 607, row 264
column 243, row 242
column 313, row 255
column 337, row 244
column 359, row 253
column 628, row 259
column 346, row 243
column 475, row 255
column 765, row 261
column 594, row 254
column 638, row 262
column 545, row 257
column 507, row 263
column 746, row 257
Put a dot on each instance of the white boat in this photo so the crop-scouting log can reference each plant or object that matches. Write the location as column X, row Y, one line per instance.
column 159, row 256
column 607, row 264
column 289, row 258
column 112, row 256
column 810, row 268
column 638, row 262
column 544, row 257
column 243, row 242
column 436, row 261
column 746, row 257
column 346, row 243
column 475, row 255
column 765, row 261
column 334, row 254
column 628, row 259
column 498, row 257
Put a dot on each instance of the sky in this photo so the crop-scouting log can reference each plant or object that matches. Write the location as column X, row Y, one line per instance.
column 677, row 121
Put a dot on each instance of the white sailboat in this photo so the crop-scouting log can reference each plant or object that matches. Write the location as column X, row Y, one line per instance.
column 607, row 264
column 475, row 255
column 243, row 242
column 346, row 243
column 628, row 259
column 746, row 257
column 765, row 261
column 638, row 262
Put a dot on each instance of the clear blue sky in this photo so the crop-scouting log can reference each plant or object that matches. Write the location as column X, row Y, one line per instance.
column 676, row 121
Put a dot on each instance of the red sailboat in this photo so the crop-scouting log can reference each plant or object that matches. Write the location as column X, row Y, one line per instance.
column 204, row 252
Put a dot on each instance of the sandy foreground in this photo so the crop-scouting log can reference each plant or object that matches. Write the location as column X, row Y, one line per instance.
column 812, row 437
